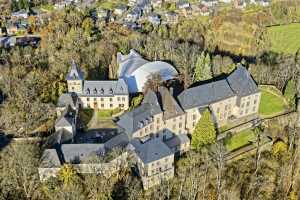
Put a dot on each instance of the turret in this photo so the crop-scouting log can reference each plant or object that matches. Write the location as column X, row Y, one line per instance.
column 75, row 79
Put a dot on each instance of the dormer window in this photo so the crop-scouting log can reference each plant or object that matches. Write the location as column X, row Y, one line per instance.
column 141, row 124
column 110, row 90
column 102, row 91
column 95, row 91
column 88, row 91
column 121, row 88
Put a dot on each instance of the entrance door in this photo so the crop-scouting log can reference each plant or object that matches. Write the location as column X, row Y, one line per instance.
column 95, row 105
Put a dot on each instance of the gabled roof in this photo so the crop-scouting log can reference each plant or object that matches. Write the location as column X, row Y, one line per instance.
column 241, row 82
column 105, row 88
column 152, row 150
column 50, row 159
column 75, row 73
column 203, row 95
column 67, row 99
column 66, row 118
column 168, row 103
column 177, row 140
column 140, row 116
column 59, row 137
column 75, row 153
column 238, row 83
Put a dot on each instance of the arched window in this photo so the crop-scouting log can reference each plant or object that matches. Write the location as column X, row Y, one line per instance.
column 95, row 91
column 102, row 91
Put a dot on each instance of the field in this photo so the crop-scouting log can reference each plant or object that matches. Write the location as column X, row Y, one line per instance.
column 271, row 103
column 239, row 140
column 285, row 38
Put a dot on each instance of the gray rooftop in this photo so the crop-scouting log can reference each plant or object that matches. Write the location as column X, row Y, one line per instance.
column 140, row 116
column 168, row 103
column 105, row 88
column 59, row 137
column 75, row 73
column 67, row 99
column 238, row 83
column 67, row 118
column 50, row 159
column 75, row 153
column 241, row 82
column 177, row 140
column 203, row 95
column 152, row 150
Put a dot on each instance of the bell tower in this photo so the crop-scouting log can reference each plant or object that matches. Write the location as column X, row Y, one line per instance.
column 75, row 79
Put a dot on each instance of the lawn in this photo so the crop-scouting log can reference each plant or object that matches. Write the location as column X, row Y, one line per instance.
column 239, row 140
column 271, row 103
column 107, row 113
column 285, row 38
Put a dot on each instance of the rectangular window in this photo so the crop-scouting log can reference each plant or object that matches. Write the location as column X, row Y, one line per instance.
column 241, row 113
column 118, row 98
column 218, row 110
column 157, row 120
column 110, row 105
column 87, row 99
column 246, row 112
column 110, row 99
column 194, row 117
column 255, row 101
column 102, row 105
column 242, row 106
column 123, row 98
column 180, row 125
column 254, row 109
column 174, row 126
column 101, row 99
column 248, row 103
column 151, row 127
column 95, row 99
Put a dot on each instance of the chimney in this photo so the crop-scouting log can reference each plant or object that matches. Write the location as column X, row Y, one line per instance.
column 172, row 91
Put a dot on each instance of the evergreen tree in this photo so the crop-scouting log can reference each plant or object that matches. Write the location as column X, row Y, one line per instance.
column 204, row 132
column 203, row 68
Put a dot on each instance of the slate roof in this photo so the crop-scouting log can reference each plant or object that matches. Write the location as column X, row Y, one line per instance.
column 105, row 88
column 177, row 140
column 67, row 118
column 238, row 83
column 140, row 116
column 75, row 73
column 203, row 95
column 50, row 159
column 59, row 137
column 152, row 150
column 168, row 103
column 120, row 141
column 241, row 82
column 75, row 153
column 68, row 99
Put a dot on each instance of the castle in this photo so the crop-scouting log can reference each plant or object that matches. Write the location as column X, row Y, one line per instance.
column 155, row 131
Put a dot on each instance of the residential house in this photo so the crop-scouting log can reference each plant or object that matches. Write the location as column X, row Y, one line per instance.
column 240, row 4
column 183, row 4
column 97, row 94
column 134, row 14
column 209, row 3
column 157, row 3
column 154, row 19
column 120, row 9
column 172, row 17
column 263, row 3
column 20, row 14
column 132, row 25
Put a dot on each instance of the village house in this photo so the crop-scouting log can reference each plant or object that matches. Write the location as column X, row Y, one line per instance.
column 172, row 17
column 154, row 19
column 98, row 94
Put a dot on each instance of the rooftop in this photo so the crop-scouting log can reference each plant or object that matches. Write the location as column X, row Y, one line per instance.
column 151, row 150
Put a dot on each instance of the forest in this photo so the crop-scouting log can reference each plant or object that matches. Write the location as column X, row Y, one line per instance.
column 32, row 79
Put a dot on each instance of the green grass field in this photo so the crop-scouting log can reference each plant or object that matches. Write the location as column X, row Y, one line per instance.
column 271, row 103
column 285, row 38
column 239, row 140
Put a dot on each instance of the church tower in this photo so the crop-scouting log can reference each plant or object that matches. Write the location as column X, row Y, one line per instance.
column 75, row 79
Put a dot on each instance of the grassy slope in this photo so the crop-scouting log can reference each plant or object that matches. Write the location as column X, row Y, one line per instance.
column 270, row 103
column 239, row 140
column 285, row 38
